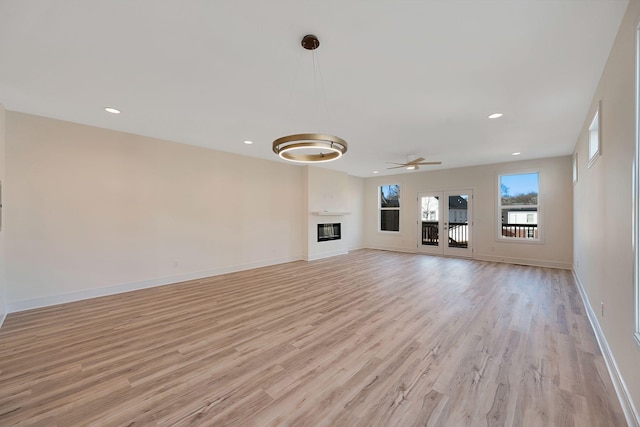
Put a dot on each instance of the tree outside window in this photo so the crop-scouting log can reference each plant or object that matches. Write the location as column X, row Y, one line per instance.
column 389, row 207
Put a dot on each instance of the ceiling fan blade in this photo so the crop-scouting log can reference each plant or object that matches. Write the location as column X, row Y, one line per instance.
column 394, row 163
column 416, row 161
column 429, row 163
column 397, row 167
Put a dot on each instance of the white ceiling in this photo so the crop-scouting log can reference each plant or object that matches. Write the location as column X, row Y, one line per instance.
column 400, row 77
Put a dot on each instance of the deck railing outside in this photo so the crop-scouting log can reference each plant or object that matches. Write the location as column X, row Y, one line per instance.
column 522, row 231
column 458, row 233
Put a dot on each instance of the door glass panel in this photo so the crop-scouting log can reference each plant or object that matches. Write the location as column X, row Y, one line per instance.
column 430, row 220
column 458, row 229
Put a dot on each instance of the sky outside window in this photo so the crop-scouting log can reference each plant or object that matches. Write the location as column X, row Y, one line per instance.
column 513, row 185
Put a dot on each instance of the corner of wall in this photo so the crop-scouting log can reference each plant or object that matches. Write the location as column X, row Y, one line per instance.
column 3, row 303
column 356, row 217
column 304, row 232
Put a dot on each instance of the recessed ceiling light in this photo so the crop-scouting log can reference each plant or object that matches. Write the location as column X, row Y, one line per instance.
column 112, row 110
column 376, row 172
column 248, row 142
column 495, row 115
column 517, row 153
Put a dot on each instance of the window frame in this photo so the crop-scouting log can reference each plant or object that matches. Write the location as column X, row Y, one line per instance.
column 380, row 208
column 597, row 120
column 636, row 197
column 520, row 240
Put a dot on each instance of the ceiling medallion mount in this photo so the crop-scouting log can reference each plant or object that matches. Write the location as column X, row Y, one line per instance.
column 310, row 147
column 310, row 42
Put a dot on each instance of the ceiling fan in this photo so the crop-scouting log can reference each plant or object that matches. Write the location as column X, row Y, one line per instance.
column 413, row 164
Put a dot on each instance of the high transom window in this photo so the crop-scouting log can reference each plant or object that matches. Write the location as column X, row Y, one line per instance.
column 636, row 219
column 595, row 140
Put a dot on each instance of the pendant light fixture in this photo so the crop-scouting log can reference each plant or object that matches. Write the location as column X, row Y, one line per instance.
column 310, row 147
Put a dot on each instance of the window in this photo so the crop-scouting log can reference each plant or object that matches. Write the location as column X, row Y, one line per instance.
column 389, row 207
column 636, row 214
column 518, row 206
column 594, row 137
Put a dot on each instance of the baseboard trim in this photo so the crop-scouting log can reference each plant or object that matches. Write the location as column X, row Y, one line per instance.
column 524, row 261
column 628, row 407
column 392, row 249
column 491, row 258
column 326, row 254
column 33, row 303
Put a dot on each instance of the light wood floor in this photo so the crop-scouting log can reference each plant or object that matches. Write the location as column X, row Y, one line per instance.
column 371, row 338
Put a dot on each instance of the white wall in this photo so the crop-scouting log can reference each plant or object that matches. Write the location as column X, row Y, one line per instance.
column 3, row 307
column 555, row 188
column 603, row 206
column 91, row 211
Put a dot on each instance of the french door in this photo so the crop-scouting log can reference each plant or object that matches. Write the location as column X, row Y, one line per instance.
column 444, row 223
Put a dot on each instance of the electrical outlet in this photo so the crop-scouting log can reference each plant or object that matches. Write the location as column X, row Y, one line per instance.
column 601, row 309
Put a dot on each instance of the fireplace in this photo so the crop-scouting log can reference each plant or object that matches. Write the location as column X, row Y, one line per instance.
column 328, row 232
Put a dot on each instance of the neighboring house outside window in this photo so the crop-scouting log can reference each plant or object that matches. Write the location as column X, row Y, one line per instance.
column 389, row 207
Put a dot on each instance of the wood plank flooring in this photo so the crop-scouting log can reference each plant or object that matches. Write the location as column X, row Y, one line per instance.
column 371, row 338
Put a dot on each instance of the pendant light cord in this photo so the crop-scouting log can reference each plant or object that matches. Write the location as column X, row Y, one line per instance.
column 324, row 94
column 295, row 81
column 315, row 89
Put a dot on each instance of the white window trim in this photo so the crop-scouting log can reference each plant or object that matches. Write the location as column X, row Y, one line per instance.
column 636, row 198
column 597, row 115
column 498, row 234
column 380, row 209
